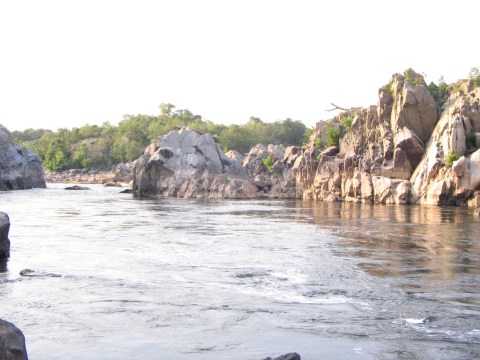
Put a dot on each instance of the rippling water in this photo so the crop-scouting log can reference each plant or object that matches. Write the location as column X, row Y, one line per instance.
column 187, row 279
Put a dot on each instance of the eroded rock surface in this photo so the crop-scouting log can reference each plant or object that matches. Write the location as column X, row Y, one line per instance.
column 20, row 168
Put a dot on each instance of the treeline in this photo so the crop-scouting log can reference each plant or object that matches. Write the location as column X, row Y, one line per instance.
column 101, row 147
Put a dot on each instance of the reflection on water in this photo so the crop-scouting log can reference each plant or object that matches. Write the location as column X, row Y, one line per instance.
column 404, row 240
column 191, row 279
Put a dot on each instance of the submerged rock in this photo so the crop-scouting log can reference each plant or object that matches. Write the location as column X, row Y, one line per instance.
column 77, row 187
column 12, row 342
column 290, row 356
column 33, row 273
column 4, row 241
column 20, row 168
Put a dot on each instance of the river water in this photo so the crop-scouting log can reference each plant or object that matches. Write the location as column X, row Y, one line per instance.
column 122, row 278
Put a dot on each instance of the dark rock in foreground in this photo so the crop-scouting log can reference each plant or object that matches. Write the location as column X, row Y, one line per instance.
column 20, row 168
column 12, row 342
column 290, row 356
column 4, row 241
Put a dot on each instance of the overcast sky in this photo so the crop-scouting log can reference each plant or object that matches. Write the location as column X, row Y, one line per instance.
column 66, row 63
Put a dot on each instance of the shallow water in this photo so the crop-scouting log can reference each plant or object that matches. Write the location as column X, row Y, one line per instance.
column 191, row 279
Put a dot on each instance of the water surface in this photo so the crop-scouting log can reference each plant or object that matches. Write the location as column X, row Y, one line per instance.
column 122, row 278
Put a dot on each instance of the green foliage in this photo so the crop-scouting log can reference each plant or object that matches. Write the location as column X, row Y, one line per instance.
column 471, row 140
column 457, row 87
column 56, row 156
column 332, row 135
column 438, row 92
column 450, row 159
column 346, row 122
column 100, row 147
column 413, row 78
column 318, row 143
column 268, row 162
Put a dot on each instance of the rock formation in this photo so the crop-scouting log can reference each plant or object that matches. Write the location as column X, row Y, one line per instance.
column 4, row 241
column 395, row 151
column 12, row 342
column 20, row 168
column 188, row 164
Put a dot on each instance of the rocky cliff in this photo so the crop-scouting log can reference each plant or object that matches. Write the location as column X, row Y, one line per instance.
column 406, row 149
column 20, row 168
column 396, row 151
column 188, row 164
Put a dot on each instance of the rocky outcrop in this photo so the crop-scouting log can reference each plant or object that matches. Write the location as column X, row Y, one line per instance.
column 4, row 241
column 187, row 164
column 20, row 168
column 434, row 183
column 395, row 152
column 12, row 342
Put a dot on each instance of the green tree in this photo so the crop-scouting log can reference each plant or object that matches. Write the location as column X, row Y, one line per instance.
column 57, row 157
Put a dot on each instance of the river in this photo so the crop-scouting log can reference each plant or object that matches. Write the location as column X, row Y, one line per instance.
column 123, row 278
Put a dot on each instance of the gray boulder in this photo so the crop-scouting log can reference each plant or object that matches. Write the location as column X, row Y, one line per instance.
column 12, row 342
column 20, row 168
column 187, row 164
column 4, row 241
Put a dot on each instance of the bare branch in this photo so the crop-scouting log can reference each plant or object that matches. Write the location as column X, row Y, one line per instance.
column 336, row 107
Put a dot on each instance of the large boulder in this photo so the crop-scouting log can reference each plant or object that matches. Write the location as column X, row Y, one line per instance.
column 4, row 241
column 20, row 168
column 12, row 342
column 187, row 164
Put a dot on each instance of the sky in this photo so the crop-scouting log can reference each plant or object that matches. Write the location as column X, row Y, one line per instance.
column 66, row 63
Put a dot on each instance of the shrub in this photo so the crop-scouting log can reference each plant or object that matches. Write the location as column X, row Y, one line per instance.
column 318, row 143
column 332, row 135
column 471, row 140
column 347, row 123
column 268, row 162
column 450, row 159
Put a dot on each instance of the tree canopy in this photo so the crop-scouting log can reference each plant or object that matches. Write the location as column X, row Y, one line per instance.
column 101, row 147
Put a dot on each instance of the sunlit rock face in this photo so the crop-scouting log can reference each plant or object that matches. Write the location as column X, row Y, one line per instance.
column 395, row 151
column 20, row 168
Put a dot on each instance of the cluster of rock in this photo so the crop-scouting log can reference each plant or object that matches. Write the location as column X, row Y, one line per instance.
column 20, row 168
column 188, row 164
column 395, row 152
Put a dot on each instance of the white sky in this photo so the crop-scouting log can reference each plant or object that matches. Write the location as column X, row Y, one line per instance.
column 66, row 63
